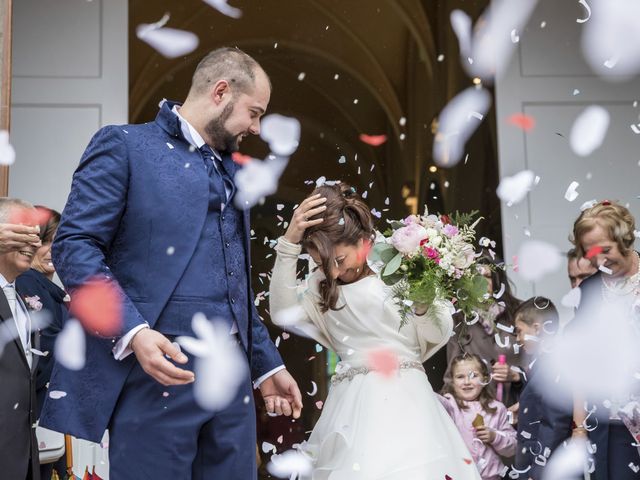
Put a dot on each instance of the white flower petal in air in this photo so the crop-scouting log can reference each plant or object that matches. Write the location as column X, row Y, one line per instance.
column 57, row 394
column 257, row 179
column 220, row 368
column 461, row 24
column 611, row 39
column 70, row 346
column 224, row 8
column 513, row 189
column 290, row 464
column 571, row 193
column 536, row 259
column 588, row 130
column 169, row 42
column 457, row 122
column 281, row 133
column 572, row 298
column 567, row 461
column 588, row 204
column 7, row 152
column 495, row 37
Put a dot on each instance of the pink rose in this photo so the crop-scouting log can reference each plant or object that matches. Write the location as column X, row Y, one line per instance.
column 407, row 239
column 432, row 253
column 450, row 230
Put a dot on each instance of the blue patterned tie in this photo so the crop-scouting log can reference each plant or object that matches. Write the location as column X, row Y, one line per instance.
column 217, row 192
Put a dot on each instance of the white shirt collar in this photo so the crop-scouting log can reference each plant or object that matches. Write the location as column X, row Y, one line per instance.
column 191, row 134
column 4, row 282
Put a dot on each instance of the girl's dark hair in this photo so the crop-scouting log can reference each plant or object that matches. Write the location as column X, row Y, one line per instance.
column 347, row 220
column 539, row 309
column 486, row 394
column 499, row 278
column 50, row 219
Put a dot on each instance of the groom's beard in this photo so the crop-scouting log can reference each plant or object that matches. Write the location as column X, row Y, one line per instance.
column 221, row 138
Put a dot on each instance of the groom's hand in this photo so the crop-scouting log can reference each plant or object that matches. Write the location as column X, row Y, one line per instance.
column 281, row 394
column 150, row 348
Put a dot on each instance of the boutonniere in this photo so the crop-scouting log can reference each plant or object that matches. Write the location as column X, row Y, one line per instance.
column 33, row 303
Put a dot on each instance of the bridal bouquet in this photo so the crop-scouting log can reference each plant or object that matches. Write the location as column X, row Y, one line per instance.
column 428, row 257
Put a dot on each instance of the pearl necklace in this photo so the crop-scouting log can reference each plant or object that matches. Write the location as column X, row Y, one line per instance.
column 624, row 287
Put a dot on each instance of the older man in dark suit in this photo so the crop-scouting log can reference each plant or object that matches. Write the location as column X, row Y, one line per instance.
column 151, row 212
column 18, row 445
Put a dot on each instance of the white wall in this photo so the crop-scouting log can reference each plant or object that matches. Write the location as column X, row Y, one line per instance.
column 540, row 82
column 70, row 77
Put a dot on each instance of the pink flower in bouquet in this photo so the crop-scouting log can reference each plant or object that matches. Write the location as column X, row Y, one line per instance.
column 407, row 239
column 432, row 253
column 450, row 230
column 411, row 219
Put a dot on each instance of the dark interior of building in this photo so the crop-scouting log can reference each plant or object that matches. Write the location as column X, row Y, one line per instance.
column 342, row 69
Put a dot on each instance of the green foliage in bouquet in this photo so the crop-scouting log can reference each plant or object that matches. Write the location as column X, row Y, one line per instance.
column 441, row 266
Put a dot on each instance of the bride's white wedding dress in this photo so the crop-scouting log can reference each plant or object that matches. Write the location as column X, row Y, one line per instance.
column 372, row 427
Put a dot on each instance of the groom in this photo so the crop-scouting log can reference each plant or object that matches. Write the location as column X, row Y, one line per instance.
column 151, row 211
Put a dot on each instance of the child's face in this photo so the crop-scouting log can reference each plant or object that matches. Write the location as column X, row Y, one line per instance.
column 467, row 380
column 527, row 335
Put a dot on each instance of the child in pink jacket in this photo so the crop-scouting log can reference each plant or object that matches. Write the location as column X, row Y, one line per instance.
column 481, row 420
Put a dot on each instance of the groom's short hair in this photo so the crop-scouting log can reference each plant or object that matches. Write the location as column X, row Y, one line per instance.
column 225, row 63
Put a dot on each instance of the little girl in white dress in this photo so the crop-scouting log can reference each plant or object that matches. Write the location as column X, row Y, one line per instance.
column 381, row 419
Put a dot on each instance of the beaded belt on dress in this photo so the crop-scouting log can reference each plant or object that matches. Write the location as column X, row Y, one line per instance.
column 352, row 372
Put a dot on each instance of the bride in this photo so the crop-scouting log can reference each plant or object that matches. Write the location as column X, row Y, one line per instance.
column 381, row 419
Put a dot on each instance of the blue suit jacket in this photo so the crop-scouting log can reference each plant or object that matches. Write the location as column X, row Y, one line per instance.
column 136, row 193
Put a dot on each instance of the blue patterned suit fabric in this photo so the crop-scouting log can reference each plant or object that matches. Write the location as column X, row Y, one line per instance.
column 144, row 213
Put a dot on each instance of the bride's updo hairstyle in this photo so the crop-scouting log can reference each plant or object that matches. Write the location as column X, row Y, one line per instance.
column 347, row 220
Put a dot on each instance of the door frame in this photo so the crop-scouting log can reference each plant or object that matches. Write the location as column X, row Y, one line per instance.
column 5, row 83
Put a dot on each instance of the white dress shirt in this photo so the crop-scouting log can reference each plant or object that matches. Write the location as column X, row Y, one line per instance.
column 21, row 319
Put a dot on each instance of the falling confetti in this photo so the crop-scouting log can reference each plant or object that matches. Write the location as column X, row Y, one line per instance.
column 572, row 298
column 224, row 8
column 513, row 189
column 240, row 158
column 281, row 133
column 257, row 179
column 571, row 194
column 98, row 306
column 588, row 130
column 70, row 345
column 383, row 361
column 373, row 140
column 290, row 464
column 587, row 11
column 486, row 49
column 314, row 389
column 169, row 42
column 537, row 259
column 522, row 121
column 593, row 252
column 57, row 394
column 7, row 152
column 220, row 366
column 611, row 38
column 456, row 123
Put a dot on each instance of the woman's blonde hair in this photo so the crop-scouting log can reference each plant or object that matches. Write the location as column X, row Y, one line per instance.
column 613, row 218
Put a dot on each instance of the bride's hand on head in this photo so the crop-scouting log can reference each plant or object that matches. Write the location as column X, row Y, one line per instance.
column 311, row 206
